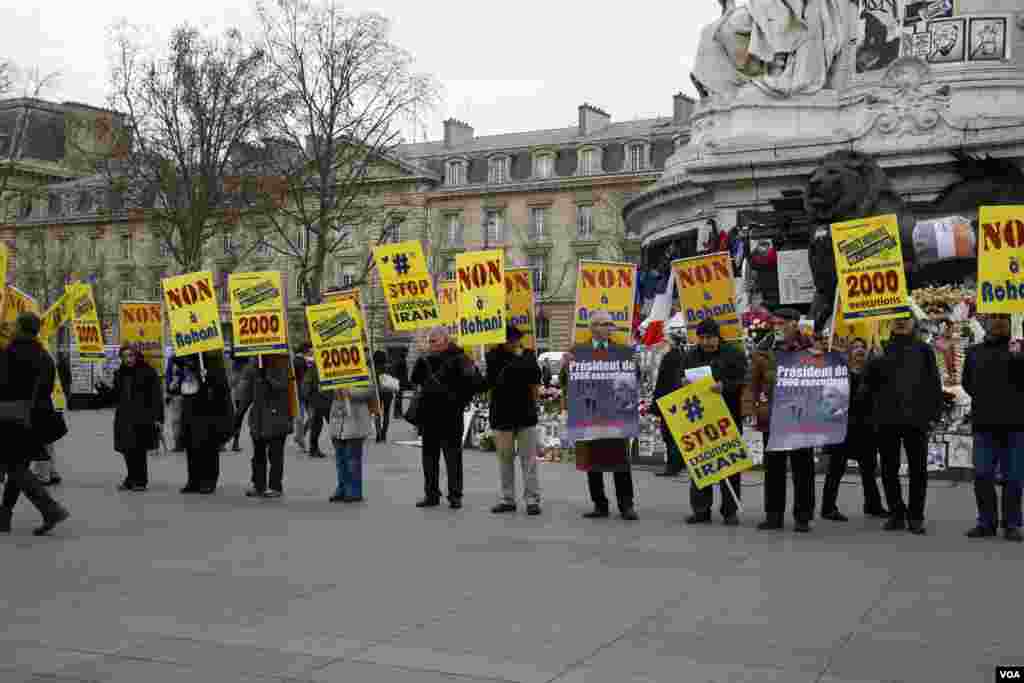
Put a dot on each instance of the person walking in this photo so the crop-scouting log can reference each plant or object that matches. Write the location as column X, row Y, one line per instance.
column 614, row 452
column 514, row 378
column 207, row 419
column 28, row 423
column 447, row 379
column 263, row 392
column 860, row 445
column 318, row 408
column 350, row 425
column 388, row 385
column 764, row 366
column 994, row 378
column 905, row 392
column 729, row 370
column 138, row 417
column 299, row 365
column 238, row 369
column 669, row 379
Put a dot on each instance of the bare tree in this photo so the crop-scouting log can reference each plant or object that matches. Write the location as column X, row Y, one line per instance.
column 351, row 89
column 6, row 77
column 186, row 110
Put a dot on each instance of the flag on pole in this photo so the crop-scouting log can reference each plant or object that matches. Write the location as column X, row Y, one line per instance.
column 653, row 328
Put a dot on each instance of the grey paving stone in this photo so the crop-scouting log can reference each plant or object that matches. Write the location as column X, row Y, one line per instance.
column 226, row 661
column 460, row 664
column 363, row 672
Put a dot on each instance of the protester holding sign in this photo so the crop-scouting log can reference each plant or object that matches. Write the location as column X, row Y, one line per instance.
column 729, row 370
column 263, row 392
column 596, row 456
column 906, row 393
column 138, row 417
column 763, row 381
column 207, row 418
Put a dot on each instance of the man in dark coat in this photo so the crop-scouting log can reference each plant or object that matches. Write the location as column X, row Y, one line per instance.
column 318, row 408
column 448, row 379
column 906, row 393
column 729, row 370
column 207, row 417
column 994, row 379
column 263, row 391
column 670, row 378
column 27, row 374
column 138, row 416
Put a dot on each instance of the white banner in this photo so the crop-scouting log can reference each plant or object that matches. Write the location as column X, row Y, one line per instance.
column 796, row 284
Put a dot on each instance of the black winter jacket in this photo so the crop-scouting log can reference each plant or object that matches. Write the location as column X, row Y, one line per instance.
column 25, row 367
column 903, row 384
column 729, row 367
column 139, row 407
column 670, row 373
column 511, row 379
column 994, row 379
column 449, row 380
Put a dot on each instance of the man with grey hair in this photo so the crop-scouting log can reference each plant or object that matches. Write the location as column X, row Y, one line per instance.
column 603, row 451
column 448, row 379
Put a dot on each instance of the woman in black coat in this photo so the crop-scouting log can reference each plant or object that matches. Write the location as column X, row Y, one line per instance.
column 207, row 419
column 138, row 416
column 26, row 374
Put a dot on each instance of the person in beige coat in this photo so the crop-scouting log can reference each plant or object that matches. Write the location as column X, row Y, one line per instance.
column 351, row 422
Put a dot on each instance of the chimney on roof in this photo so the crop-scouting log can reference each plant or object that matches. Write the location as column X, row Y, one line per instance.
column 457, row 133
column 593, row 119
column 682, row 108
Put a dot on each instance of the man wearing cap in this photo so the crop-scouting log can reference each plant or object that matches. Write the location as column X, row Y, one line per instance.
column 513, row 378
column 729, row 370
column 764, row 366
column 604, row 450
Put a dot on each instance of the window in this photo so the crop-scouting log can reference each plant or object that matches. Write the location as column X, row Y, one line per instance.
column 93, row 247
column 158, row 291
column 343, row 234
column 262, row 247
column 393, row 233
column 587, row 165
column 84, row 202
column 585, row 221
column 127, row 292
column 455, row 230
column 543, row 166
column 538, row 229
column 126, row 247
column 347, row 277
column 492, row 227
column 539, row 268
column 497, row 170
column 54, row 205
column 637, row 157
column 300, row 235
column 543, row 325
column 229, row 243
column 449, row 269
column 165, row 248
column 455, row 173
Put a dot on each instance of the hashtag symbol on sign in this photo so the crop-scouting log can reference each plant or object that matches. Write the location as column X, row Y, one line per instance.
column 694, row 409
column 401, row 264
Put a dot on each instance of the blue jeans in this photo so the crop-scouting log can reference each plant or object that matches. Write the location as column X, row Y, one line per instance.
column 348, row 455
column 1002, row 451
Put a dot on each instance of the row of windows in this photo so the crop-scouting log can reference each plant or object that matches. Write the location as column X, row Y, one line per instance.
column 588, row 163
column 539, row 229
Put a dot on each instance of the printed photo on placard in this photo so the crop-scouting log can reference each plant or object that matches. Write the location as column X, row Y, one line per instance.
column 879, row 34
column 948, row 41
column 987, row 39
column 917, row 44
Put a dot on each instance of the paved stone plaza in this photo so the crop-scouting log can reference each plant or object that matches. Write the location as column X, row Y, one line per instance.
column 156, row 587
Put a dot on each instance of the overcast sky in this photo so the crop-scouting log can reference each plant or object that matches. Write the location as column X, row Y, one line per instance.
column 504, row 66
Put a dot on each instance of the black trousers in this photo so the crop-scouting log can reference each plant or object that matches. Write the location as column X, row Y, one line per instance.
column 915, row 442
column 384, row 418
column 702, row 500
column 674, row 461
column 398, row 406
column 203, row 467
column 20, row 479
column 136, row 465
column 802, row 464
column 861, row 446
column 623, row 489
column 446, row 438
column 266, row 451
column 239, row 419
column 316, row 427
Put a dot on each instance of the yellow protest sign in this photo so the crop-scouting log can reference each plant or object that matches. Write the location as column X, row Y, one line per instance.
column 448, row 305
column 16, row 302
column 707, row 291
column 407, row 286
column 481, row 279
column 142, row 323
column 192, row 313
column 85, row 322
column 4, row 256
column 869, row 266
column 519, row 304
column 1001, row 259
column 59, row 398
column 336, row 331
column 607, row 286
column 704, row 430
column 257, row 313
column 54, row 317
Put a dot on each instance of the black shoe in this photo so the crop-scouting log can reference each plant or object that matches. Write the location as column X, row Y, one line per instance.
column 533, row 509
column 731, row 520
column 189, row 489
column 53, row 481
column 5, row 520
column 236, row 447
column 698, row 519
column 629, row 514
column 455, row 503
column 254, row 493
column 1013, row 535
column 835, row 516
column 981, row 532
column 318, row 455
column 139, row 488
column 207, row 490
column 770, row 525
column 126, row 486
column 802, row 527
column 501, row 508
column 596, row 513
column 339, row 499
column 881, row 513
column 355, row 499
column 895, row 524
column 917, row 528
column 49, row 523
column 428, row 503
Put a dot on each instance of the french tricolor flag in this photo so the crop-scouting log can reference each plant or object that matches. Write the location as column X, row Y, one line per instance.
column 654, row 326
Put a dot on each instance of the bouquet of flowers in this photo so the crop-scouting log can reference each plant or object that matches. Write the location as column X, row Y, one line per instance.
column 551, row 400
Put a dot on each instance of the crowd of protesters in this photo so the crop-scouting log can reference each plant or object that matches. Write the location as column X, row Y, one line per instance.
column 895, row 397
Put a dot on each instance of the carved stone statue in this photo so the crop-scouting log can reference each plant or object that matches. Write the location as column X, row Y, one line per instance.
column 783, row 47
